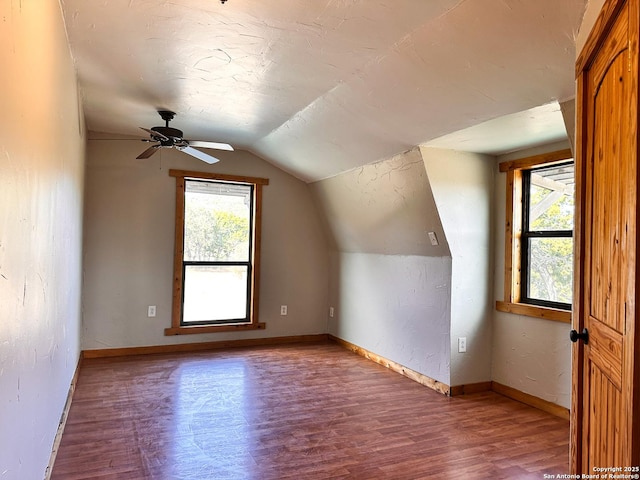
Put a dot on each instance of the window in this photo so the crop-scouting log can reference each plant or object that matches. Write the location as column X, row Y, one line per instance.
column 216, row 255
column 539, row 236
column 547, row 245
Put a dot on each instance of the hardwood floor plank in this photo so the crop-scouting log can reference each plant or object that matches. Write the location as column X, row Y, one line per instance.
column 312, row 411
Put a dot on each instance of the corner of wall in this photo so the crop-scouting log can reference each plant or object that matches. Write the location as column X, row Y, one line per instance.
column 462, row 184
column 390, row 288
column 529, row 354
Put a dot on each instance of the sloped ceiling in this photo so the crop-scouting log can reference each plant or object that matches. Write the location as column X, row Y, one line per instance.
column 320, row 87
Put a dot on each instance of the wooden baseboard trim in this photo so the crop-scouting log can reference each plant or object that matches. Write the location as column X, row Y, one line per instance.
column 469, row 388
column 197, row 347
column 198, row 329
column 394, row 366
column 63, row 420
column 530, row 400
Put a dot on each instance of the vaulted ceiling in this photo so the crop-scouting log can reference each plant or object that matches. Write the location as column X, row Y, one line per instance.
column 318, row 87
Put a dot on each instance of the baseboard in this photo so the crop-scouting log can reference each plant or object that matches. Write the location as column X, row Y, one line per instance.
column 63, row 420
column 530, row 400
column 469, row 388
column 394, row 366
column 196, row 347
column 456, row 390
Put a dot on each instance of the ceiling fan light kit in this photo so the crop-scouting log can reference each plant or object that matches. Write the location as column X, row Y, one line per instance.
column 169, row 137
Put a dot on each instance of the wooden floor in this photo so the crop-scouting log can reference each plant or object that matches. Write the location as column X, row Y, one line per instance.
column 300, row 412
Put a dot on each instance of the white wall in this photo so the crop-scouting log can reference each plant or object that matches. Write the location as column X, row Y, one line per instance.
column 41, row 182
column 391, row 288
column 385, row 207
column 128, row 247
column 530, row 354
column 397, row 306
column 462, row 185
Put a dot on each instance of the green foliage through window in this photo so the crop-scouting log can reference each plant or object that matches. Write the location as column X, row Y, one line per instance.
column 547, row 246
column 212, row 234
column 217, row 252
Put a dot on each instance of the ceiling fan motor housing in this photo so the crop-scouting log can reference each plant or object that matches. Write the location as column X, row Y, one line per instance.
column 168, row 137
column 172, row 133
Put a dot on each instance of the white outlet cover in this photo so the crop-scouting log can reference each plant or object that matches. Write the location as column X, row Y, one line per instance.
column 433, row 238
column 283, row 310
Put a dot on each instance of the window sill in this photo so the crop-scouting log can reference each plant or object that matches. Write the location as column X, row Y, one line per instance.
column 545, row 313
column 213, row 329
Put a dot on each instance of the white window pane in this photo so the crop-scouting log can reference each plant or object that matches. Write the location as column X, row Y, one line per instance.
column 214, row 293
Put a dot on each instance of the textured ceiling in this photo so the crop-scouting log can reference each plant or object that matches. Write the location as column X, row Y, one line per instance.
column 318, row 87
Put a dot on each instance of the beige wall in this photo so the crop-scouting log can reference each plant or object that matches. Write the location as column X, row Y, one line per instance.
column 128, row 247
column 396, row 294
column 530, row 354
column 391, row 288
column 462, row 185
column 385, row 208
column 41, row 182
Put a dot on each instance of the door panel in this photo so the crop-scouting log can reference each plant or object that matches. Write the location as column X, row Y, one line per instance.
column 605, row 423
column 608, row 230
column 605, row 302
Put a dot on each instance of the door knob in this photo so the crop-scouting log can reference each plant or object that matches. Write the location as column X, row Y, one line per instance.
column 574, row 336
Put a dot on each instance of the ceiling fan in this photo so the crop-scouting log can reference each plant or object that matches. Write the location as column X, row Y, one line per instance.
column 168, row 137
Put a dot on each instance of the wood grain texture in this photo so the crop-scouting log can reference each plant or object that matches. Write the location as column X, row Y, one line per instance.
column 198, row 347
column 513, row 233
column 255, row 255
column 606, row 17
column 178, row 246
column 178, row 261
column 606, row 369
column 394, row 366
column 553, row 314
column 582, row 149
column 310, row 412
column 536, row 160
column 531, row 400
column 218, row 176
column 225, row 327
column 63, row 420
column 456, row 390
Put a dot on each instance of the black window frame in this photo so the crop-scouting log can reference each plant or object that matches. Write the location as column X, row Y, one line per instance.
column 528, row 235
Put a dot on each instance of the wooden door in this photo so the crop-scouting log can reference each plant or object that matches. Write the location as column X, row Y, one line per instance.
column 605, row 373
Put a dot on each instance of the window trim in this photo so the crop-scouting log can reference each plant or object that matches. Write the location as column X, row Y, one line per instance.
column 176, row 312
column 513, row 237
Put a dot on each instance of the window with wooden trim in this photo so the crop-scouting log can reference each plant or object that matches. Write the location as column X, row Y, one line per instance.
column 539, row 236
column 216, row 253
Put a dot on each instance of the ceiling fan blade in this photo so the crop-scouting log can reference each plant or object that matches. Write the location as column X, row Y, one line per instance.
column 148, row 152
column 198, row 154
column 217, row 146
column 155, row 134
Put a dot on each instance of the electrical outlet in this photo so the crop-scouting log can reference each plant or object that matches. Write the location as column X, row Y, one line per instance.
column 462, row 344
column 283, row 309
column 331, row 312
column 151, row 311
